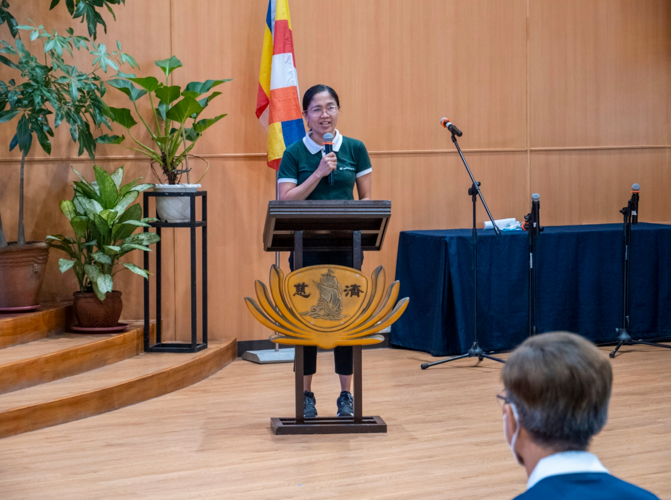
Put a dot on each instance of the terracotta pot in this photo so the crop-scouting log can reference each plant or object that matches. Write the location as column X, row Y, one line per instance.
column 22, row 270
column 90, row 312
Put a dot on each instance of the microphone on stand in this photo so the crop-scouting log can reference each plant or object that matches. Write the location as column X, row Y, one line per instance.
column 634, row 203
column 445, row 122
column 535, row 208
column 328, row 148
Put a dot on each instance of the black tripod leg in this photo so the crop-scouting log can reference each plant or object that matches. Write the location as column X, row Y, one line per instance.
column 653, row 344
column 427, row 365
column 619, row 344
column 492, row 358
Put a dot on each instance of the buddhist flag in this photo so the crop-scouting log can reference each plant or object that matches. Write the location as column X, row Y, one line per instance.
column 278, row 104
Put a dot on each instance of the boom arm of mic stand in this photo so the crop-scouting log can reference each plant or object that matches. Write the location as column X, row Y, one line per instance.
column 497, row 230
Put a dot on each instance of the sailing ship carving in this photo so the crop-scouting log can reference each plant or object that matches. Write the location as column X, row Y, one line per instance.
column 329, row 305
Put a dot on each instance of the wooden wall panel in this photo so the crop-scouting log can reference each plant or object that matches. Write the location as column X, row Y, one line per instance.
column 590, row 187
column 575, row 76
column 599, row 72
column 401, row 66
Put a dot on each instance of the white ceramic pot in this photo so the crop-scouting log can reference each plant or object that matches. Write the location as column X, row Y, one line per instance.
column 174, row 208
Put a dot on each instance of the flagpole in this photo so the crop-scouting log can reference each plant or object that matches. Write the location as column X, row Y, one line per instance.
column 277, row 254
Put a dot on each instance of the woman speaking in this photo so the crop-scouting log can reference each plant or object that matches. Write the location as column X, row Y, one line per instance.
column 304, row 175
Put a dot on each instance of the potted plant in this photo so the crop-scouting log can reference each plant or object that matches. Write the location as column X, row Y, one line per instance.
column 53, row 90
column 175, row 124
column 104, row 224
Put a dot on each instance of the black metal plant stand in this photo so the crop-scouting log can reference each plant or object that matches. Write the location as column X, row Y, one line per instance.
column 194, row 345
column 534, row 228
column 474, row 191
column 630, row 216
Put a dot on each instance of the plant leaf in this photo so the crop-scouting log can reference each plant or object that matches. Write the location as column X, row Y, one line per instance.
column 195, row 89
column 183, row 109
column 125, row 201
column 105, row 283
column 202, row 125
column 169, row 65
column 5, row 116
column 101, row 257
column 127, row 88
column 136, row 269
column 138, row 223
column 68, row 208
column 144, row 239
column 80, row 225
column 121, row 231
column 148, row 83
column 107, row 186
column 110, row 139
column 117, row 176
column 168, row 95
column 123, row 117
column 65, row 264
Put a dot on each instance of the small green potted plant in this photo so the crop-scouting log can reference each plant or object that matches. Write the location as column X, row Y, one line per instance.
column 104, row 222
column 175, row 127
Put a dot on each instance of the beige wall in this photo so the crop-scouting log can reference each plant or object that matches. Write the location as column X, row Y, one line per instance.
column 570, row 99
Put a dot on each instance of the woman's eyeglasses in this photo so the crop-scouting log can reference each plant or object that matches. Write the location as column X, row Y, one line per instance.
column 318, row 110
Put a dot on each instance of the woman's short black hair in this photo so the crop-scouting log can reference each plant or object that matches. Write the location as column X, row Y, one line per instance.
column 317, row 89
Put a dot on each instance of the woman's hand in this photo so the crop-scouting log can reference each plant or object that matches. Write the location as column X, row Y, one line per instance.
column 328, row 164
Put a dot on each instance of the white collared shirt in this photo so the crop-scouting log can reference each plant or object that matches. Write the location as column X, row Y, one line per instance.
column 567, row 462
column 315, row 148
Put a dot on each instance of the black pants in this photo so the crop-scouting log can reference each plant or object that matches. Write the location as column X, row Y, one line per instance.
column 344, row 364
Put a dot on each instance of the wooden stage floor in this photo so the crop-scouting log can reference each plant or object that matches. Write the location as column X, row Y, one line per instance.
column 212, row 440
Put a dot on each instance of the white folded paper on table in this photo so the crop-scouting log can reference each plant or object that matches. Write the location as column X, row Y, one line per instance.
column 502, row 223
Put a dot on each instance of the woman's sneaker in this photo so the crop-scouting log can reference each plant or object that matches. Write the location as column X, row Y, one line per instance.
column 345, row 405
column 309, row 404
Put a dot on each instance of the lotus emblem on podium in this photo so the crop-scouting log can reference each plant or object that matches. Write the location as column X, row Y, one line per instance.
column 326, row 306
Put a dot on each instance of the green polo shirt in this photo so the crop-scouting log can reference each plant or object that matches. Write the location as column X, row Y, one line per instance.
column 302, row 158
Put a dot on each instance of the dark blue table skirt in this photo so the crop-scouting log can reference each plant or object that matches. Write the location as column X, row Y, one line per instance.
column 580, row 289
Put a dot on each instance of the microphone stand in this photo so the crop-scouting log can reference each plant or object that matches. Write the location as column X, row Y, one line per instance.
column 623, row 337
column 474, row 191
column 534, row 228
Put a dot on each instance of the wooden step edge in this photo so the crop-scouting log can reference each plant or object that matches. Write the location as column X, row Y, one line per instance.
column 71, row 361
column 22, row 328
column 198, row 367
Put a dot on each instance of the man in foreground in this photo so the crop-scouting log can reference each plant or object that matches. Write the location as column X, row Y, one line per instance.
column 557, row 390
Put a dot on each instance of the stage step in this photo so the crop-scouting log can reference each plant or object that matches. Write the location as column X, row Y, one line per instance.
column 28, row 327
column 133, row 380
column 64, row 355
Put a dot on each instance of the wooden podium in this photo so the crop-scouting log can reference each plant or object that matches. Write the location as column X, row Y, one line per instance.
column 301, row 226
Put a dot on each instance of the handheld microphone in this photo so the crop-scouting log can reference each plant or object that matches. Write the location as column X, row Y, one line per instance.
column 328, row 148
column 634, row 203
column 445, row 122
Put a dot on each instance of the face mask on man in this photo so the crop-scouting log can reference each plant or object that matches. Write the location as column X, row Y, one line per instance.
column 512, row 442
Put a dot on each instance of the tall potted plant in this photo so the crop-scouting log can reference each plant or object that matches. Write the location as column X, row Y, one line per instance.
column 104, row 221
column 175, row 127
column 50, row 93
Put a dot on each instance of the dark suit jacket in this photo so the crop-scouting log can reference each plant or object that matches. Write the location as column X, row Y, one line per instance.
column 585, row 486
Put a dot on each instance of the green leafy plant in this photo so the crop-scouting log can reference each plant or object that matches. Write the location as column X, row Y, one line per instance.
column 55, row 90
column 104, row 223
column 88, row 11
column 7, row 17
column 176, row 116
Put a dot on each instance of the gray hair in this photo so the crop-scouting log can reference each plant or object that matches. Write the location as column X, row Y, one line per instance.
column 561, row 385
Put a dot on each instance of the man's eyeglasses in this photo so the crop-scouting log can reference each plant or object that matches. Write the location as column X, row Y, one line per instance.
column 318, row 110
column 502, row 400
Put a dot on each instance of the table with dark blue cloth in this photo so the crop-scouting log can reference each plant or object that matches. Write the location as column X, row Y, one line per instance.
column 580, row 289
